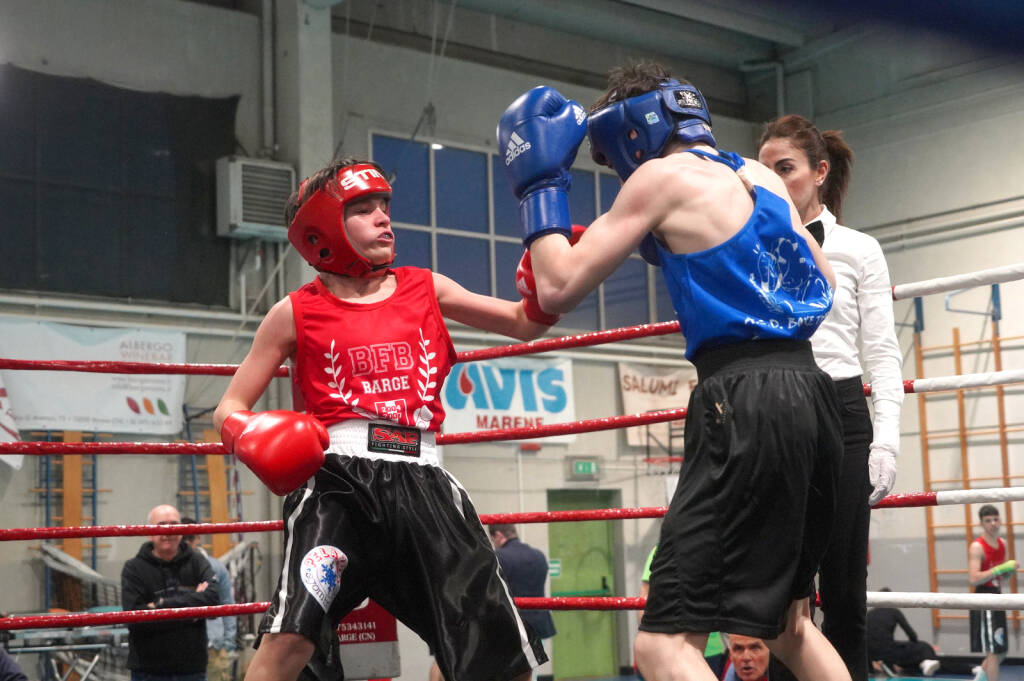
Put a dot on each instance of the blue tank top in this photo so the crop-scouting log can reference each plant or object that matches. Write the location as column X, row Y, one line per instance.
column 760, row 283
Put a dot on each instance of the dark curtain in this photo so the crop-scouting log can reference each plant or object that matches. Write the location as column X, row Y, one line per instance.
column 107, row 191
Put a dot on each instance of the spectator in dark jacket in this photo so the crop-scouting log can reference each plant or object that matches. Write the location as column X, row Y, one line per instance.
column 221, row 632
column 10, row 670
column 526, row 570
column 167, row 573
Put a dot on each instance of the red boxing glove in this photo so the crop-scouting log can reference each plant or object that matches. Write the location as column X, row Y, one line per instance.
column 527, row 286
column 283, row 448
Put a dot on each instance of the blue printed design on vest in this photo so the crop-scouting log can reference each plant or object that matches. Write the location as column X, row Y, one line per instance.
column 784, row 277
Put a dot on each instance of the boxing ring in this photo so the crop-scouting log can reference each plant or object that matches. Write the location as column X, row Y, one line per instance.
column 959, row 601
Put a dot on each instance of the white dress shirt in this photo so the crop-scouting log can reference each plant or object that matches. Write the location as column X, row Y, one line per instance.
column 859, row 329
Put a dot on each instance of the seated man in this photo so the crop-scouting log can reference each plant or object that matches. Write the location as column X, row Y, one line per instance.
column 897, row 657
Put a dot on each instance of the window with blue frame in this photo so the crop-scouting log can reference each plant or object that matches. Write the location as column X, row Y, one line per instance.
column 455, row 214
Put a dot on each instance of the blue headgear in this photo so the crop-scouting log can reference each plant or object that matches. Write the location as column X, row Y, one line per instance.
column 673, row 110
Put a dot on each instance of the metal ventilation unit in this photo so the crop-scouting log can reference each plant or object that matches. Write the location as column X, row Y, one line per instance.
column 251, row 195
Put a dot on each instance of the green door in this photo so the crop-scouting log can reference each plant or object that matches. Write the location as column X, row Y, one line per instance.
column 586, row 644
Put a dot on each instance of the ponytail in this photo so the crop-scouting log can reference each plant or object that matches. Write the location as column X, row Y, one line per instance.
column 840, row 161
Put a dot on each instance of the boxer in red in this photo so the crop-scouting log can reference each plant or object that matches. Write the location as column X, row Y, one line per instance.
column 376, row 516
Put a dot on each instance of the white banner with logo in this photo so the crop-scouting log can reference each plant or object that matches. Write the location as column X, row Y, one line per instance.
column 649, row 388
column 8, row 428
column 71, row 400
column 509, row 393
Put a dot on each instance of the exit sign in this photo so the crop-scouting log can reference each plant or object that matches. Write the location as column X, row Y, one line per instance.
column 580, row 468
column 584, row 467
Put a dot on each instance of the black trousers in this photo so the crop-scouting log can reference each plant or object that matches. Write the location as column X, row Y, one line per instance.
column 905, row 654
column 842, row 578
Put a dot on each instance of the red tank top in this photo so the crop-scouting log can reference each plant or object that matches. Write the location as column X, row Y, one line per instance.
column 382, row 360
column 993, row 557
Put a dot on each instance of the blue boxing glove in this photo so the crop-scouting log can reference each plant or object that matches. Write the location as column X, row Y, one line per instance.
column 540, row 133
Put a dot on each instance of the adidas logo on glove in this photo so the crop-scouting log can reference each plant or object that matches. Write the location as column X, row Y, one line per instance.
column 579, row 113
column 516, row 146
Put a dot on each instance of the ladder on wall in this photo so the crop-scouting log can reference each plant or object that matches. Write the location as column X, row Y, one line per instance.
column 664, row 458
column 208, row 488
column 68, row 490
column 950, row 566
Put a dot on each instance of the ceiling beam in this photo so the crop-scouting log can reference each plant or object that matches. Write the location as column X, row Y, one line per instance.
column 725, row 105
column 616, row 22
column 717, row 14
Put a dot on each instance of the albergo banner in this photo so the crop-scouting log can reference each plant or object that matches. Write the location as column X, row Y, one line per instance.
column 103, row 402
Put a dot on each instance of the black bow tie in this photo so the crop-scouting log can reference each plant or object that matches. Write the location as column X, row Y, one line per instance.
column 817, row 230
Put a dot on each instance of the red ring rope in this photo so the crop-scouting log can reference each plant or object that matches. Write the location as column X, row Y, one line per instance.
column 552, row 429
column 67, row 620
column 97, row 367
column 86, row 531
column 577, row 341
column 89, row 619
column 911, row 500
column 545, row 345
column 42, row 448
column 900, row 291
column 276, row 525
column 589, row 425
column 918, row 385
column 582, row 603
column 547, row 430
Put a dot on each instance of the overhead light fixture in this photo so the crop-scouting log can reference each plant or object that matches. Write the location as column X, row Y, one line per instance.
column 436, row 147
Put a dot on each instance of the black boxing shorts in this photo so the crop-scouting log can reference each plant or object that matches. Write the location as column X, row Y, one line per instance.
column 397, row 528
column 988, row 627
column 753, row 509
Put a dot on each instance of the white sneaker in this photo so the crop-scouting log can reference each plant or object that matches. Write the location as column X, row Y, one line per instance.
column 979, row 673
column 929, row 667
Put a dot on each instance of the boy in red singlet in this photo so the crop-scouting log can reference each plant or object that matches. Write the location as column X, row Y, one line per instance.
column 377, row 516
column 986, row 565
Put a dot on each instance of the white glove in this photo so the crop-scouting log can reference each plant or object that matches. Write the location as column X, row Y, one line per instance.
column 881, row 473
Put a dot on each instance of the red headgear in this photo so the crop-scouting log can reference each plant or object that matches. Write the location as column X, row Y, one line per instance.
column 318, row 229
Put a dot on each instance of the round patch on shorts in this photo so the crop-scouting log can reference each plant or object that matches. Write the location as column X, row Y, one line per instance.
column 321, row 570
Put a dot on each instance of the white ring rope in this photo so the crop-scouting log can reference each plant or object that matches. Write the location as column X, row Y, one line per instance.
column 976, row 496
column 927, row 599
column 955, row 282
column 925, row 385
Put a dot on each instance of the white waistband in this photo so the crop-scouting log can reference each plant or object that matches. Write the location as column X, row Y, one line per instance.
column 349, row 438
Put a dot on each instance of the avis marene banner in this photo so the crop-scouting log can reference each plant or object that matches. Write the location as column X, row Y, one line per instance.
column 509, row 393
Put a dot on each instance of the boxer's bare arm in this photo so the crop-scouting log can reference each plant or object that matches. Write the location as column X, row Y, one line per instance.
column 975, row 556
column 484, row 312
column 273, row 344
column 566, row 274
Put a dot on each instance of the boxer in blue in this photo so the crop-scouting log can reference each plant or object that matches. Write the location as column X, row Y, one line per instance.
column 752, row 511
